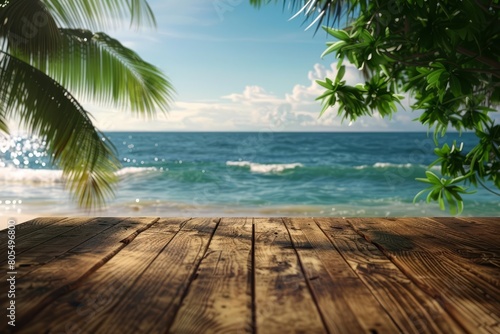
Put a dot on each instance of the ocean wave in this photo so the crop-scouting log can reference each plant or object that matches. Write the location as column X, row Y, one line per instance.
column 11, row 175
column 388, row 165
column 134, row 170
column 30, row 176
column 264, row 168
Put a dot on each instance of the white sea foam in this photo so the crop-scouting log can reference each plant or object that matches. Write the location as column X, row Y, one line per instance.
column 10, row 175
column 30, row 176
column 264, row 168
column 386, row 165
column 134, row 170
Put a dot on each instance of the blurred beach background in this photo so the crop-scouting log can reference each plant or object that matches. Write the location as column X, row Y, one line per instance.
column 239, row 69
column 240, row 174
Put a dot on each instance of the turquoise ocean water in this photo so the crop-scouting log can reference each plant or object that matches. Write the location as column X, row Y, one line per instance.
column 236, row 174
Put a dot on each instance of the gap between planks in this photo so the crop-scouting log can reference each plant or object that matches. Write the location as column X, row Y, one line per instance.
column 262, row 240
column 470, row 300
column 48, row 297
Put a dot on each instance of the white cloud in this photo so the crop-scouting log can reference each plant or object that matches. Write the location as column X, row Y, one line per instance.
column 253, row 95
column 256, row 109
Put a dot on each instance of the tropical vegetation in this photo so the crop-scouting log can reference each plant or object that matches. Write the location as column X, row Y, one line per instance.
column 53, row 54
column 444, row 55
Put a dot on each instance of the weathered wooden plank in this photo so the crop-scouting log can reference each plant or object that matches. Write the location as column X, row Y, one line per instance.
column 473, row 253
column 40, row 254
column 283, row 301
column 345, row 303
column 220, row 298
column 55, row 247
column 120, row 228
column 467, row 234
column 129, row 278
column 490, row 227
column 47, row 283
column 470, row 300
column 490, row 223
column 153, row 300
column 47, row 232
column 27, row 228
column 484, row 230
column 493, row 222
column 79, row 310
column 409, row 307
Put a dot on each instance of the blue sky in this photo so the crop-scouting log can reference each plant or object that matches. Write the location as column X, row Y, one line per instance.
column 212, row 48
column 238, row 68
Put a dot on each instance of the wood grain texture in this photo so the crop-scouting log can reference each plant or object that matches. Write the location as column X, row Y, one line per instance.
column 81, row 310
column 46, row 232
column 346, row 304
column 47, row 283
column 411, row 309
column 485, row 232
column 283, row 302
column 30, row 227
column 57, row 246
column 472, row 254
column 476, row 255
column 470, row 300
column 219, row 300
column 153, row 300
column 257, row 275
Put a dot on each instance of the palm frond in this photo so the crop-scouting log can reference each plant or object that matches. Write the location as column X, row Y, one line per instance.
column 49, row 110
column 99, row 68
column 101, row 14
column 3, row 124
column 320, row 12
column 28, row 26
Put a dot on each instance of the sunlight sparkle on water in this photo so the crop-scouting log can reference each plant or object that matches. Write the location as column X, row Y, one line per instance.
column 18, row 151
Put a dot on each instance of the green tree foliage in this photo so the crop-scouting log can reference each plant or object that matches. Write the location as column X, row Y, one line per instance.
column 52, row 51
column 444, row 54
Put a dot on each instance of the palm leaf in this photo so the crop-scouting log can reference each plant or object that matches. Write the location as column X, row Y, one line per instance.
column 100, row 14
column 28, row 26
column 3, row 124
column 45, row 108
column 99, row 68
column 321, row 12
column 3, row 121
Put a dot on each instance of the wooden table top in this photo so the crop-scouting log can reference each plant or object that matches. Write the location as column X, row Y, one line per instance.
column 265, row 275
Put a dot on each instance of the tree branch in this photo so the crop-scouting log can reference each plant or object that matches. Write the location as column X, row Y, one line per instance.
column 482, row 59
